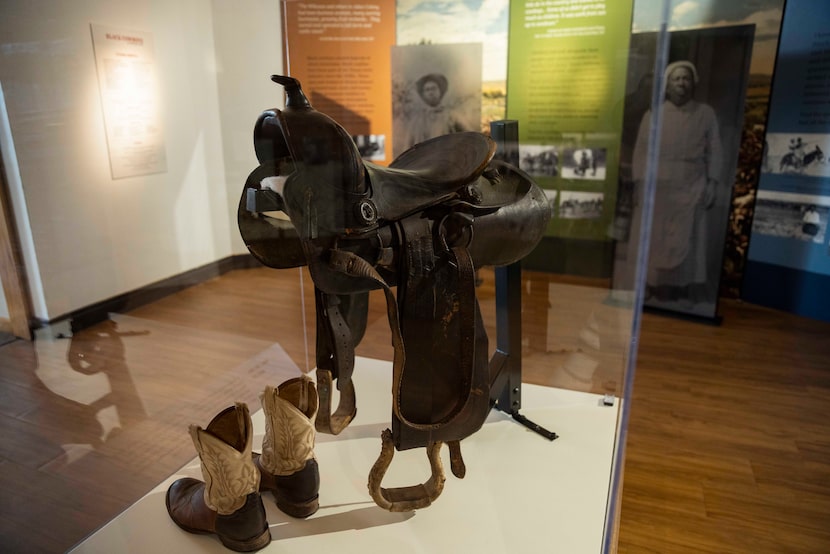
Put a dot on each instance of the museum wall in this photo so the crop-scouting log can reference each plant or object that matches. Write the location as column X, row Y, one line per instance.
column 94, row 237
column 248, row 49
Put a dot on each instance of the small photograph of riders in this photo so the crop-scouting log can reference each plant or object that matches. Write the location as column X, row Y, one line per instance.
column 580, row 205
column 371, row 147
column 539, row 160
column 584, row 163
column 789, row 215
column 552, row 195
column 797, row 154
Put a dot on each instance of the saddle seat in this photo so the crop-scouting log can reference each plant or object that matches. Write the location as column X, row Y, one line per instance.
column 428, row 174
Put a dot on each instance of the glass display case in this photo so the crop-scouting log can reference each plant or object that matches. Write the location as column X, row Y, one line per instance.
column 129, row 170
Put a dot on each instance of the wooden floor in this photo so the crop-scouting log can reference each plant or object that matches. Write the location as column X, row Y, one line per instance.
column 728, row 445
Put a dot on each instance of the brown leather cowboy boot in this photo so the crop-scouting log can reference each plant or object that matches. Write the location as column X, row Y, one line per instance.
column 287, row 465
column 227, row 503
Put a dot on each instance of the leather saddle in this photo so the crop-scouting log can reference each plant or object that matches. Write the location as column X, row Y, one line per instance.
column 422, row 225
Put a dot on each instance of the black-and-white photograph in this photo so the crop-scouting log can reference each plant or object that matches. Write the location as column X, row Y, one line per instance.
column 797, row 154
column 705, row 84
column 580, row 205
column 792, row 216
column 539, row 160
column 584, row 163
column 436, row 90
column 551, row 195
column 371, row 147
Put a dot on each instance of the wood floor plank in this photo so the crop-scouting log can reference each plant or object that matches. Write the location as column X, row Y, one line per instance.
column 749, row 390
column 61, row 512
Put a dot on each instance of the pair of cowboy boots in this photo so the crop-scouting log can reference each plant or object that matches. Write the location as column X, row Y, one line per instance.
column 228, row 503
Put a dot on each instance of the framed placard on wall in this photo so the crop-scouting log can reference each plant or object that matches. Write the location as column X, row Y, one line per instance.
column 128, row 84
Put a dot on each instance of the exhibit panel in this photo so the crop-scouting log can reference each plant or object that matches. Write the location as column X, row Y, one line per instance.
column 789, row 245
column 412, row 238
column 706, row 82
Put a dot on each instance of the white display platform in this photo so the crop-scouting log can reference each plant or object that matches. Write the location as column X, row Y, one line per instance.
column 522, row 493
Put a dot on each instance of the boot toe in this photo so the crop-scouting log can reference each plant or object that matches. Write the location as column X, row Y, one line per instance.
column 186, row 506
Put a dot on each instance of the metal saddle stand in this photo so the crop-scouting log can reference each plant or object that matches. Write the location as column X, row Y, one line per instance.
column 423, row 224
column 506, row 364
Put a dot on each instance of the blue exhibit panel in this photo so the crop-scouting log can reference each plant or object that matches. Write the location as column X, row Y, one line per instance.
column 788, row 289
column 785, row 269
column 804, row 43
column 795, row 254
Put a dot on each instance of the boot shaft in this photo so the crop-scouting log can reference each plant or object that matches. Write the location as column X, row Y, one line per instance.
column 224, row 450
column 290, row 411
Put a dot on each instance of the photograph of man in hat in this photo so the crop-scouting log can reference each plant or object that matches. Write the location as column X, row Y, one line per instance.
column 436, row 90
column 432, row 118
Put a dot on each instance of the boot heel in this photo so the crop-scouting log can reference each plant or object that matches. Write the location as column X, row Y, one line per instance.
column 298, row 510
column 248, row 545
column 246, row 529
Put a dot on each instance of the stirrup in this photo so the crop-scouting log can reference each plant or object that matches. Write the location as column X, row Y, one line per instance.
column 328, row 422
column 405, row 499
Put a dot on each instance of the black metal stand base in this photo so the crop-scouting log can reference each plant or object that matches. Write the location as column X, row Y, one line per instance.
column 506, row 365
column 536, row 428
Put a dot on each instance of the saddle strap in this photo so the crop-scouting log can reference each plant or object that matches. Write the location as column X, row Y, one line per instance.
column 459, row 469
column 351, row 264
column 335, row 360
column 334, row 423
column 335, row 345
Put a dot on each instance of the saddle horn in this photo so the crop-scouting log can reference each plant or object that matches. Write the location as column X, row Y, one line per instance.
column 295, row 98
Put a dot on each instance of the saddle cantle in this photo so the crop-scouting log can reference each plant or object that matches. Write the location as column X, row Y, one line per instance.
column 429, row 173
column 422, row 225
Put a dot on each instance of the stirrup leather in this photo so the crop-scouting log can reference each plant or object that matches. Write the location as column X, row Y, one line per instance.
column 334, row 422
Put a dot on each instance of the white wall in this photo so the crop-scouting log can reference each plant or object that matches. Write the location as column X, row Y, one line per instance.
column 95, row 237
column 248, row 41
